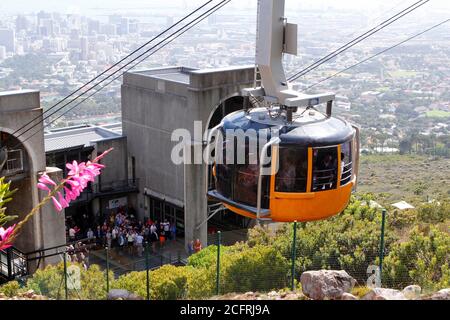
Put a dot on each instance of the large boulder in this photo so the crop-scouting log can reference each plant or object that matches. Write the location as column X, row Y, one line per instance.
column 120, row 294
column 412, row 292
column 443, row 294
column 326, row 284
column 384, row 294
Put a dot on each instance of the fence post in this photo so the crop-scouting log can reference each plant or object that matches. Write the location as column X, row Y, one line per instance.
column 219, row 240
column 293, row 256
column 147, row 269
column 107, row 269
column 65, row 275
column 383, row 222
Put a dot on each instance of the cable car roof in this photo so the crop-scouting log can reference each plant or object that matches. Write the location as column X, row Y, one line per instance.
column 310, row 128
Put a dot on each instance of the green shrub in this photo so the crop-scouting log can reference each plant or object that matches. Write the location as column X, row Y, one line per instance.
column 11, row 289
column 433, row 212
column 423, row 260
column 349, row 241
column 50, row 282
column 166, row 283
column 260, row 268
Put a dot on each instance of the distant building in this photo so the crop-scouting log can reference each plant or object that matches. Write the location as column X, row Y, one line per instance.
column 8, row 39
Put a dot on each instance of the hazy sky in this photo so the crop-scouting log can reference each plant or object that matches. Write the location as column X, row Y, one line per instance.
column 87, row 6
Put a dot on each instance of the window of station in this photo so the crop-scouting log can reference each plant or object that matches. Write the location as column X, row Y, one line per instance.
column 293, row 170
column 324, row 169
column 346, row 163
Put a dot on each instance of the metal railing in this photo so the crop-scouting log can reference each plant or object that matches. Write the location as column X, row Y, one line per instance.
column 115, row 186
column 13, row 263
column 14, row 162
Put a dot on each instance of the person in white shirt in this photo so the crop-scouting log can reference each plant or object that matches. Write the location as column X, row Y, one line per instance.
column 138, row 243
column 90, row 234
column 72, row 234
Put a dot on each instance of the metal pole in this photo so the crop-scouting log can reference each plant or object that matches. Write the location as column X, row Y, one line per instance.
column 219, row 240
column 147, row 270
column 294, row 240
column 383, row 222
column 107, row 269
column 65, row 275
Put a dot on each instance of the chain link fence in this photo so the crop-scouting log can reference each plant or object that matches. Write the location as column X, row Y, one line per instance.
column 230, row 263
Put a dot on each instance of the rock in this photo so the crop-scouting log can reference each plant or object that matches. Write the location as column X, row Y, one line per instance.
column 28, row 294
column 250, row 293
column 272, row 294
column 326, row 284
column 443, row 294
column 119, row 294
column 412, row 292
column 348, row 296
column 384, row 294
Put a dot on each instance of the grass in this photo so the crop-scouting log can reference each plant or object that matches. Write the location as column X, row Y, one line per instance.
column 404, row 177
column 438, row 114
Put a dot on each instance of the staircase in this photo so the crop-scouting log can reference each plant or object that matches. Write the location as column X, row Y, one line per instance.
column 13, row 264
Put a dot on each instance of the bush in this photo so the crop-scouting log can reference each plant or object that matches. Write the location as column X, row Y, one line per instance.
column 50, row 282
column 349, row 241
column 434, row 212
column 261, row 268
column 423, row 260
column 11, row 289
column 166, row 283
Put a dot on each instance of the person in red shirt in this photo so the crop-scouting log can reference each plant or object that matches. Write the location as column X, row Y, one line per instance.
column 197, row 245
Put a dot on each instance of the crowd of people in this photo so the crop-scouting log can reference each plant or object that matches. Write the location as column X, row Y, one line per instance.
column 78, row 253
column 121, row 229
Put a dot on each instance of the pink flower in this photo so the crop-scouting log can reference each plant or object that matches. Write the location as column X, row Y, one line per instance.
column 45, row 179
column 79, row 176
column 75, row 168
column 43, row 187
column 102, row 155
column 57, row 205
column 5, row 237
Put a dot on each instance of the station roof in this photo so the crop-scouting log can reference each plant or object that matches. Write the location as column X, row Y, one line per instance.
column 79, row 136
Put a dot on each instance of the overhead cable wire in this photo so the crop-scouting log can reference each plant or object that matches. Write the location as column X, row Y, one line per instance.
column 379, row 53
column 358, row 39
column 112, row 67
column 195, row 22
column 118, row 70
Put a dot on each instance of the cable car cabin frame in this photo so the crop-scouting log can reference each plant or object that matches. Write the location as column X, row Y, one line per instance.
column 314, row 192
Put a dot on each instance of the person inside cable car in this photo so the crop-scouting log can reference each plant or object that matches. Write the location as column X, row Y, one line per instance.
column 324, row 176
column 286, row 175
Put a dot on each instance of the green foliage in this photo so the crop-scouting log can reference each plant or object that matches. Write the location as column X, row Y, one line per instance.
column 11, row 289
column 401, row 218
column 259, row 268
column 349, row 241
column 423, row 260
column 433, row 212
column 5, row 197
column 166, row 283
column 50, row 282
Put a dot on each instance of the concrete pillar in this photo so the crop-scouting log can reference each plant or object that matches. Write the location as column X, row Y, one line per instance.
column 195, row 201
column 52, row 224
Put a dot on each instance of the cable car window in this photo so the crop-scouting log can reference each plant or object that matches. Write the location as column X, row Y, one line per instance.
column 346, row 163
column 224, row 174
column 293, row 171
column 246, row 181
column 324, row 169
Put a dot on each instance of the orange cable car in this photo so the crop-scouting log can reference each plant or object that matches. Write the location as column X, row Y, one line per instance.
column 305, row 170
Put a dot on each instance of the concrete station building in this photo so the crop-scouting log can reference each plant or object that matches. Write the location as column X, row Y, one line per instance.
column 139, row 173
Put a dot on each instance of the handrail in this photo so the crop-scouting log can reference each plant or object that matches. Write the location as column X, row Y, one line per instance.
column 261, row 172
